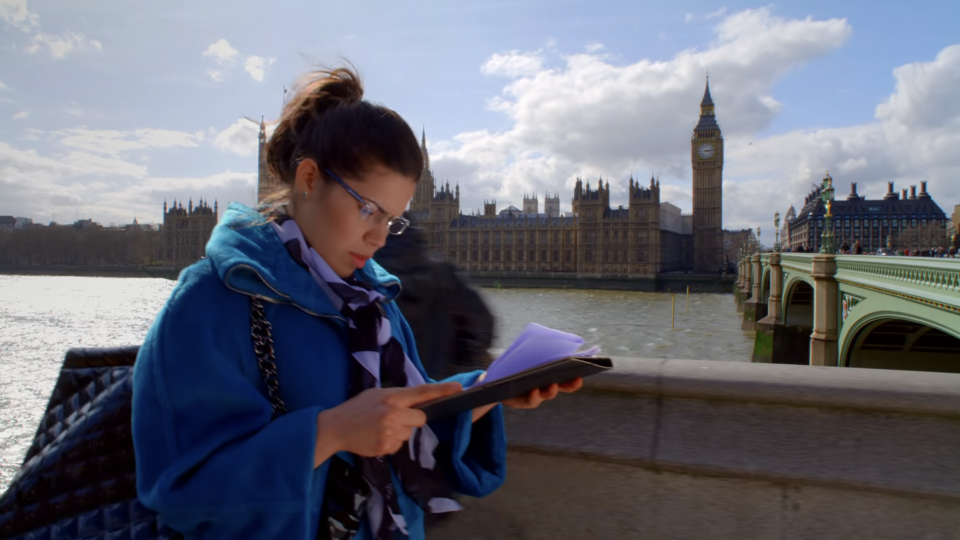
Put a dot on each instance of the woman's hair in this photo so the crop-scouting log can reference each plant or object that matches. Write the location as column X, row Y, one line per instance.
column 329, row 121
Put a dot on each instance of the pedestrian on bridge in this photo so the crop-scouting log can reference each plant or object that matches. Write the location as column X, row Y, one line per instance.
column 309, row 429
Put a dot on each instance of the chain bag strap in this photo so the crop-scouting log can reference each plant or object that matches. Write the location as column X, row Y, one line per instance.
column 260, row 331
column 337, row 522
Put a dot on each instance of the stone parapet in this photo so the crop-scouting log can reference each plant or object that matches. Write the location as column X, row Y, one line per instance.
column 704, row 449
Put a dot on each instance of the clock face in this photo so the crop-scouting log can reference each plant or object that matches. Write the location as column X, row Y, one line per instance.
column 705, row 151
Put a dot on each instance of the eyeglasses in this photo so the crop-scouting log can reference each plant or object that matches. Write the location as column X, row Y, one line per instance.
column 395, row 225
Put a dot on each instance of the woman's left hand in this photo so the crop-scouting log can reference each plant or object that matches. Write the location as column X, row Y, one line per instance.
column 533, row 398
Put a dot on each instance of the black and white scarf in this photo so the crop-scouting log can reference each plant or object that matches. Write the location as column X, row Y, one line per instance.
column 380, row 362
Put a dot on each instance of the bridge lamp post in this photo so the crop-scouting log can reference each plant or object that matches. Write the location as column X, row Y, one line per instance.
column 759, row 249
column 826, row 238
column 776, row 230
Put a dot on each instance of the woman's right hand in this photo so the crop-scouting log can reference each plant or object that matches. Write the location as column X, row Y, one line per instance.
column 375, row 422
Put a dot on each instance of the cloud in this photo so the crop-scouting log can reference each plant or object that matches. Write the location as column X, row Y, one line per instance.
column 690, row 17
column 32, row 134
column 911, row 139
column 22, row 115
column 513, row 64
column 107, row 189
column 241, row 138
column 715, row 14
column 116, row 142
column 589, row 117
column 16, row 15
column 227, row 57
column 3, row 86
column 222, row 52
column 594, row 47
column 60, row 46
column 256, row 65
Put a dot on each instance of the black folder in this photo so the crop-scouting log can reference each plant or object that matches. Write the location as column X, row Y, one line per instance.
column 557, row 371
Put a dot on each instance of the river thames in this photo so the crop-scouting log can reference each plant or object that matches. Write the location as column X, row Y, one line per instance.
column 43, row 316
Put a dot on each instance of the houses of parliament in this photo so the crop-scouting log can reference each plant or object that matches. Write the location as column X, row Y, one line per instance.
column 643, row 239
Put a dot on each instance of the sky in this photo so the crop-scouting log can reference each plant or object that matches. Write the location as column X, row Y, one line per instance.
column 108, row 108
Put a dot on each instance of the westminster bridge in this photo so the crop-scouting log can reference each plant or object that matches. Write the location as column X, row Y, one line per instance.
column 852, row 310
column 677, row 449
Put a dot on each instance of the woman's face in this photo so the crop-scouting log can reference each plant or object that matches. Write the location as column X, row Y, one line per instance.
column 329, row 216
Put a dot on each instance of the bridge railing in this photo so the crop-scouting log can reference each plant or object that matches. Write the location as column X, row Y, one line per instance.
column 923, row 280
column 662, row 449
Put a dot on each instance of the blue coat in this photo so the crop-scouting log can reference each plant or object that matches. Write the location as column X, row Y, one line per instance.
column 210, row 458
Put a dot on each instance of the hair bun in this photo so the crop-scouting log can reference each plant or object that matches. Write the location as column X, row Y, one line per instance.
column 328, row 121
column 340, row 85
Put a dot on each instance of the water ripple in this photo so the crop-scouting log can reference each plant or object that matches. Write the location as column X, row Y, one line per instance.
column 41, row 317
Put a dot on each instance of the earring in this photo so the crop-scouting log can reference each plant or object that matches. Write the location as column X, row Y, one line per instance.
column 304, row 194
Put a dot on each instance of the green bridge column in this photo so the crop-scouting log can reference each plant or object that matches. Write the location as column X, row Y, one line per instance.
column 738, row 287
column 747, row 282
column 826, row 297
column 775, row 342
column 754, row 308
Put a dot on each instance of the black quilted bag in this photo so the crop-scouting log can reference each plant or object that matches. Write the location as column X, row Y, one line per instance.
column 78, row 479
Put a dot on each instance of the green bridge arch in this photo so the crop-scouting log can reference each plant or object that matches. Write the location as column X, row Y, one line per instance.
column 789, row 309
column 876, row 312
column 890, row 333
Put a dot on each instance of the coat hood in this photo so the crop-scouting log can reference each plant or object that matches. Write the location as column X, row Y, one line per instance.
column 250, row 258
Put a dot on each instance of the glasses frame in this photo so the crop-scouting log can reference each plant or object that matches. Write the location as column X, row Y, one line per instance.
column 367, row 208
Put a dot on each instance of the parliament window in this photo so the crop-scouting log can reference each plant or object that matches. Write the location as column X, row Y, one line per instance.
column 588, row 256
column 543, row 256
column 509, row 256
column 567, row 256
column 556, row 255
column 531, row 256
column 569, row 237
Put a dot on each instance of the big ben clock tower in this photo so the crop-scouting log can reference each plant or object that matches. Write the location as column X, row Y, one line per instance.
column 706, row 155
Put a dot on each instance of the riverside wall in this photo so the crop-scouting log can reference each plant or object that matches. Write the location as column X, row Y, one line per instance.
column 91, row 271
column 685, row 449
column 659, row 283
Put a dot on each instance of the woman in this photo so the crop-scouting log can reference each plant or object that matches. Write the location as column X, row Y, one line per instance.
column 350, row 457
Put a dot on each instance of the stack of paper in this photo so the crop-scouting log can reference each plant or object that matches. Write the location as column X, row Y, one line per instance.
column 535, row 346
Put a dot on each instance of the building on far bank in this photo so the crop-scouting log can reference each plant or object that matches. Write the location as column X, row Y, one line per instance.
column 955, row 221
column 10, row 223
column 909, row 222
column 641, row 239
column 736, row 244
column 185, row 232
column 645, row 237
column 785, row 228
